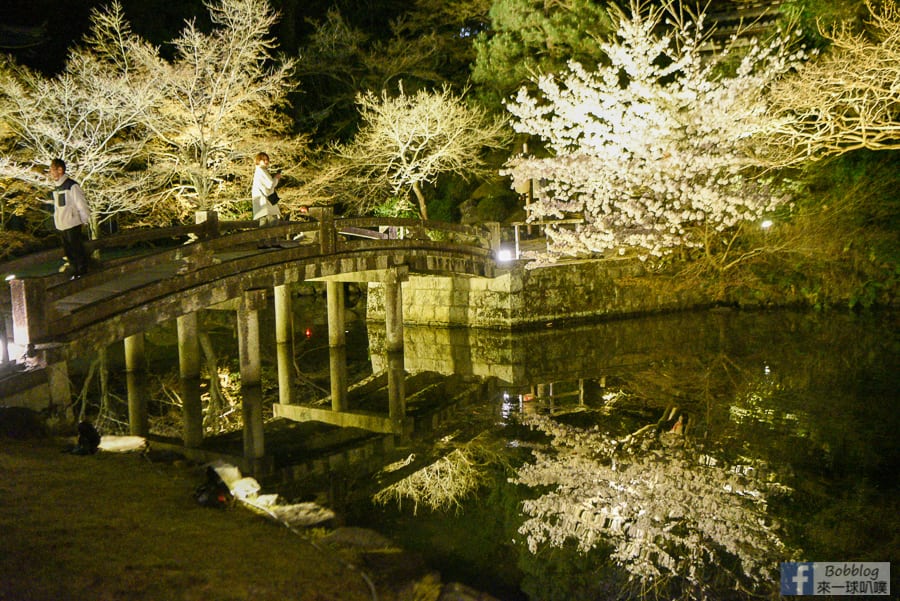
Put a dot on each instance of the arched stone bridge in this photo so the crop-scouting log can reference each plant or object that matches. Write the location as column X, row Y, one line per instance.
column 222, row 262
column 234, row 266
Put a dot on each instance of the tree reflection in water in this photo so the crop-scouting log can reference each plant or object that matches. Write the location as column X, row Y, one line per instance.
column 789, row 452
column 673, row 513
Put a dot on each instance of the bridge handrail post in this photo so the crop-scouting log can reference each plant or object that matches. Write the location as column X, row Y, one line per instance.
column 210, row 222
column 29, row 299
column 327, row 231
column 494, row 233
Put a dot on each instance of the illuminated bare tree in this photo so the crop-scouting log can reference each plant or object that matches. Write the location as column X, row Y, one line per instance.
column 652, row 148
column 847, row 99
column 90, row 115
column 408, row 140
column 222, row 93
column 142, row 133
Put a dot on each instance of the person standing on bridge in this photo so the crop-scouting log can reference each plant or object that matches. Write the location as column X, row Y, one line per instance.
column 70, row 213
column 264, row 197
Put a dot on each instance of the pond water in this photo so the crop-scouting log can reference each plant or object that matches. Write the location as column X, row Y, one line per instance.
column 674, row 456
column 682, row 456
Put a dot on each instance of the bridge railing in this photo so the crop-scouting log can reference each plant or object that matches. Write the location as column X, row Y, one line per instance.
column 30, row 301
column 207, row 228
column 483, row 236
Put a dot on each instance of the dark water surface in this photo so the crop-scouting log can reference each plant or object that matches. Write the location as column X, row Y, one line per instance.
column 787, row 450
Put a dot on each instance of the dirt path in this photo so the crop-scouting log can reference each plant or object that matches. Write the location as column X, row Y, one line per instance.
column 118, row 527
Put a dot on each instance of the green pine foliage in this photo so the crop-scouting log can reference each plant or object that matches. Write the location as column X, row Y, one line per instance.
column 534, row 36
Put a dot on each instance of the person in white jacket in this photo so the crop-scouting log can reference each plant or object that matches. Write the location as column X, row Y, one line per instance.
column 264, row 203
column 70, row 213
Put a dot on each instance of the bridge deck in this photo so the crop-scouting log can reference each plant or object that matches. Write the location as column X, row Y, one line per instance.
column 196, row 268
column 133, row 280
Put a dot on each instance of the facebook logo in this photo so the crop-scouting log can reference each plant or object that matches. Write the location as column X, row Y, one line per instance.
column 846, row 578
column 797, row 578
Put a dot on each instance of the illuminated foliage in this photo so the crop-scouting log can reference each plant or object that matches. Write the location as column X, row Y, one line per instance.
column 454, row 26
column 145, row 135
column 90, row 115
column 340, row 61
column 847, row 99
column 408, row 140
column 223, row 92
column 653, row 147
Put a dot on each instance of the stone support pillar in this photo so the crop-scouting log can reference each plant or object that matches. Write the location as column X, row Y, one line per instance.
column 393, row 308
column 251, row 381
column 337, row 344
column 284, row 343
column 337, row 357
column 396, row 374
column 494, row 229
column 136, row 380
column 189, row 368
column 336, row 325
column 29, row 310
column 60, row 386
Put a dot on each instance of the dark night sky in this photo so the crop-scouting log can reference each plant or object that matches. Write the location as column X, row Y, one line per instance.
column 159, row 21
column 66, row 21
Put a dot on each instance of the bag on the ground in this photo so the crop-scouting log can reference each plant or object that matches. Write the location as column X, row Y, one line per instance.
column 88, row 439
column 214, row 492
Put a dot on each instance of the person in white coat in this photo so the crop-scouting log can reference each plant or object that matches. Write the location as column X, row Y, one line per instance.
column 265, row 207
column 70, row 213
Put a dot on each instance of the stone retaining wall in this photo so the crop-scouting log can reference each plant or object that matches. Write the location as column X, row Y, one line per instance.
column 519, row 298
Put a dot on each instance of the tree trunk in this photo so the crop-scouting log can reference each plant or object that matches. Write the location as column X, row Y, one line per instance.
column 421, row 198
column 216, row 398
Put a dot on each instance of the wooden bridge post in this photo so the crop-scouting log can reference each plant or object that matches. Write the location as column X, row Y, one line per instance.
column 136, row 381
column 189, row 368
column 251, row 381
column 337, row 341
column 284, row 343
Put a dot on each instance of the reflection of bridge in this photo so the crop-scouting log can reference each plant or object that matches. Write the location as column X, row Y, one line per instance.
column 55, row 319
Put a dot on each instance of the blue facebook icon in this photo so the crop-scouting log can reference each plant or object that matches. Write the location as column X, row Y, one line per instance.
column 797, row 578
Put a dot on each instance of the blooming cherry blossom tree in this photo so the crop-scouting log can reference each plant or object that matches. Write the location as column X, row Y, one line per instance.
column 652, row 148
